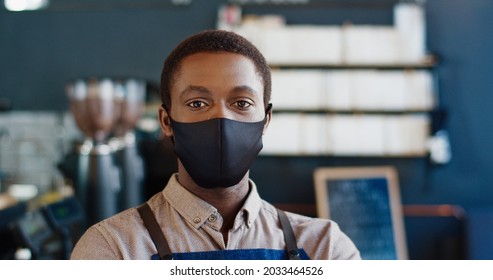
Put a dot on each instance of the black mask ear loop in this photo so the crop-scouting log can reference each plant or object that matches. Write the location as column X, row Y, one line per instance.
column 165, row 109
column 268, row 109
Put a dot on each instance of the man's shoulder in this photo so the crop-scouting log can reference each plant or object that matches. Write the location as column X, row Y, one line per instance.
column 130, row 217
column 120, row 236
column 298, row 220
column 102, row 240
column 320, row 238
column 124, row 218
column 121, row 223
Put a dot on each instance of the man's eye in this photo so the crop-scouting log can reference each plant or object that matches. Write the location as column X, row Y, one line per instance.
column 196, row 104
column 243, row 104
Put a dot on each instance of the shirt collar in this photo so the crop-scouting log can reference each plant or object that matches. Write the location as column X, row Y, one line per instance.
column 251, row 207
column 196, row 211
column 193, row 209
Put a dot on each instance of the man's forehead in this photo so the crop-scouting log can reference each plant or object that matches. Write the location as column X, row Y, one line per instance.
column 215, row 56
column 216, row 61
column 179, row 87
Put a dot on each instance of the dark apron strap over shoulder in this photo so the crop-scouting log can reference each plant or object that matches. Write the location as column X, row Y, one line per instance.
column 157, row 236
column 164, row 252
column 292, row 247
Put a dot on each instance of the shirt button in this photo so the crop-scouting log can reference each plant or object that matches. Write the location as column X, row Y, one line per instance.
column 212, row 218
column 197, row 220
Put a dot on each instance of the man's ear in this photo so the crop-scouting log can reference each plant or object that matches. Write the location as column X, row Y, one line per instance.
column 164, row 122
column 268, row 117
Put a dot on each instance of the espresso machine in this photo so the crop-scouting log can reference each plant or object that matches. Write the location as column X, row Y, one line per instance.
column 109, row 170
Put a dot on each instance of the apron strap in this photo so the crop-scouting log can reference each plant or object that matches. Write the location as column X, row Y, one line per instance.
column 290, row 239
column 157, row 236
column 164, row 251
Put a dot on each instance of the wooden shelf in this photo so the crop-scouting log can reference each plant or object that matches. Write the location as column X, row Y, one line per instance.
column 375, row 4
column 356, row 156
column 349, row 112
column 429, row 63
column 409, row 210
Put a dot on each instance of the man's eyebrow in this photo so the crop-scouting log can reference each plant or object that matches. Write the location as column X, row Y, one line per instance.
column 245, row 88
column 192, row 88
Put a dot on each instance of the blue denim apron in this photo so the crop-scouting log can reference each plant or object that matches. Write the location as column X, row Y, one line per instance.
column 164, row 252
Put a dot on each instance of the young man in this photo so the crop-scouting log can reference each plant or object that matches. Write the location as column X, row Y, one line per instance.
column 215, row 88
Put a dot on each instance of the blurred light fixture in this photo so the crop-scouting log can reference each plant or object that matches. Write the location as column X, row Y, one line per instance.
column 25, row 5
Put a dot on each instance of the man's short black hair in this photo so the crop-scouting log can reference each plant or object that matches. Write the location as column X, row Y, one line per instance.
column 212, row 41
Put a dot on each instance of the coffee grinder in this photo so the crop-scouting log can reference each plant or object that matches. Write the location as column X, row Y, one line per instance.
column 129, row 100
column 96, row 180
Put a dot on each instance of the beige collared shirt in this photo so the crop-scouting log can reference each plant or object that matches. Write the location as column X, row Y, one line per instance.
column 192, row 225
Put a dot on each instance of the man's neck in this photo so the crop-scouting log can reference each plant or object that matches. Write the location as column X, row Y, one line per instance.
column 228, row 201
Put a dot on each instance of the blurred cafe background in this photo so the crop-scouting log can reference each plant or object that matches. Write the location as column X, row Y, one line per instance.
column 357, row 85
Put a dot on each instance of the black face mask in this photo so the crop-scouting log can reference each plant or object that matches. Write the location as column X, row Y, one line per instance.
column 218, row 152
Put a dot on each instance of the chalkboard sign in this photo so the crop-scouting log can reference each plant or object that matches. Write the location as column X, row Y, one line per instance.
column 365, row 202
